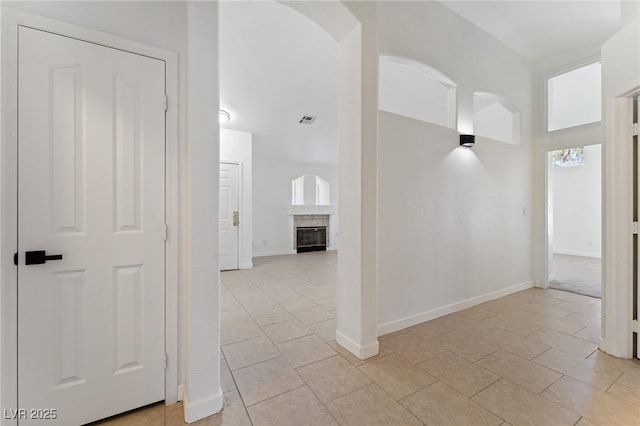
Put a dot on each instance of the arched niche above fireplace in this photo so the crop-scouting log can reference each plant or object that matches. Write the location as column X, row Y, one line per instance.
column 310, row 190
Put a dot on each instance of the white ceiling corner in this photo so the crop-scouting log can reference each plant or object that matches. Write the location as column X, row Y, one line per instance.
column 536, row 29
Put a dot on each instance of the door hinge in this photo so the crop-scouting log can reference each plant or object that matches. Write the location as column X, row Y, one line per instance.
column 165, row 232
column 635, row 326
column 635, row 129
column 15, row 259
column 165, row 102
column 165, row 361
column 636, row 228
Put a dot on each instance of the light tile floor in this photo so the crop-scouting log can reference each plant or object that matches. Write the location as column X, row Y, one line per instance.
column 528, row 358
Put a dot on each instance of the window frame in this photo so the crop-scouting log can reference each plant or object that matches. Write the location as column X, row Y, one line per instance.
column 544, row 95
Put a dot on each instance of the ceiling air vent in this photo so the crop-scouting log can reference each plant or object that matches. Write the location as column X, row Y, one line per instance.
column 307, row 119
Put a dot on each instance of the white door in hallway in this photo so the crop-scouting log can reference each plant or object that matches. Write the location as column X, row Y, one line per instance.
column 229, row 215
column 91, row 149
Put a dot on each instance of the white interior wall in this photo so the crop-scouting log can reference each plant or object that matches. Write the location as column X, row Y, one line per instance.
column 577, row 218
column 454, row 224
column 621, row 57
column 235, row 146
column 358, row 255
column 272, row 202
column 406, row 90
column 202, row 394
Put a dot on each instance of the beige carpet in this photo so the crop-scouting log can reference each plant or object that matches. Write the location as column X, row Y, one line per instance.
column 581, row 275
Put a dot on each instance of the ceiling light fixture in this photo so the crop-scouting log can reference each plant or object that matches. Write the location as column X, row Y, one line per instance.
column 467, row 141
column 223, row 116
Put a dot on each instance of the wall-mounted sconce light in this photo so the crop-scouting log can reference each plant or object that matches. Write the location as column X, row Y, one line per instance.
column 223, row 116
column 467, row 140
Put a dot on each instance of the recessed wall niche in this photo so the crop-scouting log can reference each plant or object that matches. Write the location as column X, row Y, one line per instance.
column 416, row 90
column 496, row 118
column 310, row 190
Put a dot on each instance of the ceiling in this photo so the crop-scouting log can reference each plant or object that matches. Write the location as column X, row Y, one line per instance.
column 537, row 29
column 276, row 65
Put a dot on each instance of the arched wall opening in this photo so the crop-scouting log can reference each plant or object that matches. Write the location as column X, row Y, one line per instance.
column 356, row 287
column 415, row 90
column 310, row 190
column 496, row 118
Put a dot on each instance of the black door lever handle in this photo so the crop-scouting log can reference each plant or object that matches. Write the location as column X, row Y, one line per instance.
column 39, row 257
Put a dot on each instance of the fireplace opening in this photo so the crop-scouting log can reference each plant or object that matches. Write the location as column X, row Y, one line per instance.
column 311, row 238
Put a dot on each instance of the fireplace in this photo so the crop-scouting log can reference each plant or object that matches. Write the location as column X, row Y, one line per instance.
column 310, row 232
column 311, row 238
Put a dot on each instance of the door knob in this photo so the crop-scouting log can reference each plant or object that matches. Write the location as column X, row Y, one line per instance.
column 39, row 257
column 236, row 219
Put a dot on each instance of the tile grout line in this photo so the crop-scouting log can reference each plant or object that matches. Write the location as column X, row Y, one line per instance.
column 574, row 334
column 579, row 420
column 554, row 382
column 485, row 407
column 421, row 389
column 592, row 352
column 615, row 381
column 276, row 396
column 395, row 400
column 323, row 404
column 487, row 386
column 557, row 403
column 244, row 405
column 242, row 341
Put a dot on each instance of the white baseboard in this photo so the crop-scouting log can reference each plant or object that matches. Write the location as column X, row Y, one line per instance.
column 362, row 352
column 180, row 392
column 273, row 253
column 246, row 266
column 204, row 407
column 577, row 253
column 391, row 326
column 279, row 253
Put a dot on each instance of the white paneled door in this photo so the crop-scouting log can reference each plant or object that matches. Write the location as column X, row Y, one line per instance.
column 229, row 215
column 91, row 152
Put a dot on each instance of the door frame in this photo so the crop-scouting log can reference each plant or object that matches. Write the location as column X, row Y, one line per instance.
column 617, row 216
column 11, row 20
column 240, row 206
column 548, row 203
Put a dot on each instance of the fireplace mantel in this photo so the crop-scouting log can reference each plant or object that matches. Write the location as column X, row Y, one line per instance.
column 311, row 210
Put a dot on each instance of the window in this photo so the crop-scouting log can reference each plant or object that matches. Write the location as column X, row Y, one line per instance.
column 574, row 98
column 568, row 157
